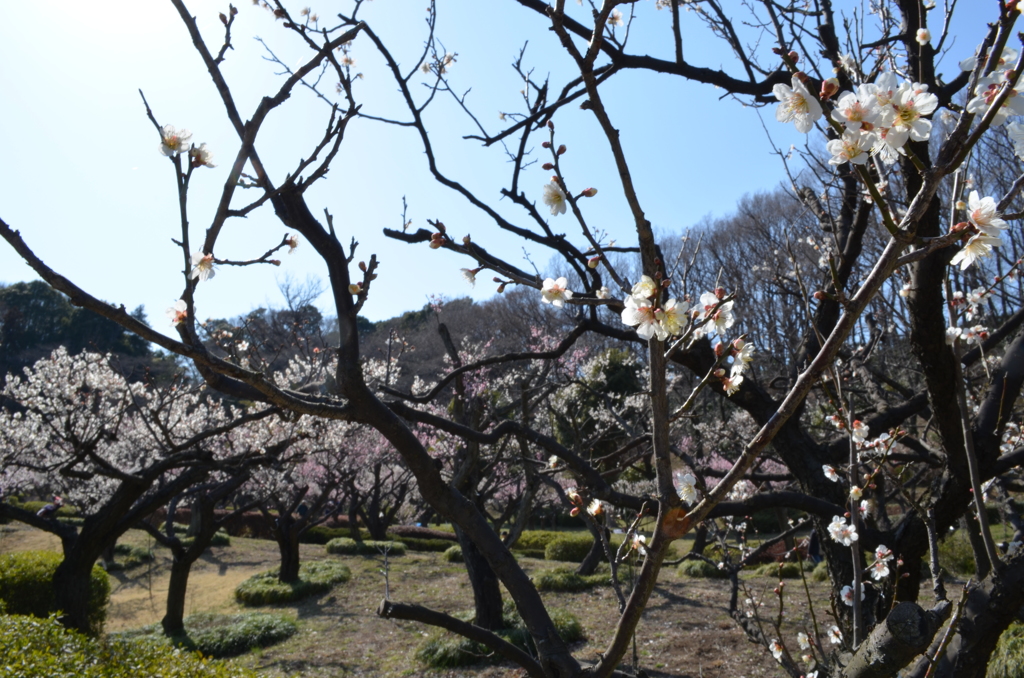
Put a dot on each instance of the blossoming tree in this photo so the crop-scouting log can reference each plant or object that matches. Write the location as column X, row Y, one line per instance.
column 869, row 97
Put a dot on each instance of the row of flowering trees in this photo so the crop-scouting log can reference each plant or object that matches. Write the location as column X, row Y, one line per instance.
column 882, row 460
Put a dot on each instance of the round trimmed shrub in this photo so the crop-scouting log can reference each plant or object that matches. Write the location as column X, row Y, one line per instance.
column 700, row 569
column 314, row 578
column 346, row 546
column 45, row 648
column 454, row 554
column 566, row 580
column 26, row 586
column 573, row 548
column 820, row 572
column 1008, row 657
column 222, row 635
column 448, row 650
column 780, row 570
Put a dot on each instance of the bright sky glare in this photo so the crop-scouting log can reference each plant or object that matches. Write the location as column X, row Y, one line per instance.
column 83, row 181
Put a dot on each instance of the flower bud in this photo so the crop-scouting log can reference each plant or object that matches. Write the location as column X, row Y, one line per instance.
column 575, row 511
column 547, row 166
column 719, row 373
column 962, row 226
column 589, row 193
column 720, row 292
column 362, row 266
column 439, row 226
column 354, row 288
column 466, row 240
column 961, row 205
column 561, row 149
column 829, row 87
column 275, row 262
column 223, row 19
column 738, row 344
column 501, row 288
column 794, row 56
column 593, row 261
column 819, row 295
column 666, row 282
column 802, row 77
column 545, row 144
column 719, row 349
column 551, row 124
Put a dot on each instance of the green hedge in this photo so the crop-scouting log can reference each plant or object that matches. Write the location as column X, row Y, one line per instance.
column 780, row 570
column 65, row 511
column 219, row 635
column 350, row 547
column 428, row 545
column 448, row 650
column 321, row 535
column 42, row 648
column 537, row 540
column 26, row 586
column 569, row 547
column 314, row 578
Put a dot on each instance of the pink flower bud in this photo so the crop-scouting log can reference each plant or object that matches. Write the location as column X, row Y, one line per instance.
column 547, row 167
column 720, row 293
column 829, row 87
column 589, row 193
column 819, row 295
column 466, row 240
column 545, row 144
column 561, row 149
column 354, row 288
column 794, row 56
column 551, row 124
column 719, row 373
column 362, row 266
column 575, row 511
column 719, row 349
column 501, row 288
column 593, row 262
column 666, row 282
column 275, row 262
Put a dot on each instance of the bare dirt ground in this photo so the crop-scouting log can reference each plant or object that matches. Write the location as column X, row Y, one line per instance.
column 685, row 631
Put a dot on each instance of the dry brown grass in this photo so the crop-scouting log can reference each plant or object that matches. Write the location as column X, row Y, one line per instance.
column 685, row 631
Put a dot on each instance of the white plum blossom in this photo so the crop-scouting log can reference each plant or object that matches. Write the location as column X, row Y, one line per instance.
column 847, row 595
column 201, row 156
column 879, row 570
column 776, row 648
column 202, row 266
column 803, row 641
column 615, row 18
column 830, row 473
column 640, row 544
column 732, row 383
column 796, row 105
column 843, row 533
column 924, row 36
column 174, row 141
column 978, row 247
column 860, row 431
column 178, row 313
column 856, row 493
column 854, row 147
column 469, row 275
column 721, row 318
column 983, row 214
column 554, row 292
column 1007, row 56
column 603, row 293
column 1015, row 131
column 640, row 313
column 645, row 288
column 554, row 197
column 909, row 105
column 988, row 89
column 857, row 111
column 835, row 635
column 686, row 486
column 672, row 317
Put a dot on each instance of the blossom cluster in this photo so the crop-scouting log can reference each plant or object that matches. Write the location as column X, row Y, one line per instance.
column 842, row 532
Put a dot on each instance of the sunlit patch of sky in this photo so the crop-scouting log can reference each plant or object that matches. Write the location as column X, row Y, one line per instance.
column 83, row 181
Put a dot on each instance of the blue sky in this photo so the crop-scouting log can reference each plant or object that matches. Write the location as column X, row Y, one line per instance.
column 85, row 184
